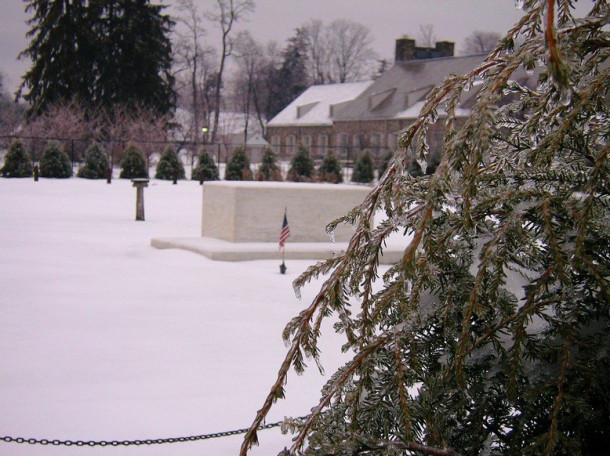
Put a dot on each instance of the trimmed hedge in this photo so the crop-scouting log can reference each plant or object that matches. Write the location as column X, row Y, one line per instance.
column 206, row 169
column 55, row 163
column 96, row 163
column 170, row 167
column 17, row 161
column 364, row 170
column 301, row 166
column 133, row 164
column 330, row 169
column 238, row 168
column 268, row 169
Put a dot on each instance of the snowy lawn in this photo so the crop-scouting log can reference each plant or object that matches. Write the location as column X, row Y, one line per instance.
column 103, row 337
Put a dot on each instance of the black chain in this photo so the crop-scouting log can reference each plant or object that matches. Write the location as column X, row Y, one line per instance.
column 115, row 443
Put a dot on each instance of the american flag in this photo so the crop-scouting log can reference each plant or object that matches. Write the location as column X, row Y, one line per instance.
column 285, row 231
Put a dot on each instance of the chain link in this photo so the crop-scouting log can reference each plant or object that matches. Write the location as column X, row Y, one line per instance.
column 115, row 443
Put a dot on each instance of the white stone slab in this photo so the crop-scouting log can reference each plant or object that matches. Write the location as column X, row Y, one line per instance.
column 253, row 211
column 219, row 250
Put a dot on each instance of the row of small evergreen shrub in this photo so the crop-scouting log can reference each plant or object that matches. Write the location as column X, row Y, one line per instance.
column 302, row 168
column 53, row 163
column 56, row 163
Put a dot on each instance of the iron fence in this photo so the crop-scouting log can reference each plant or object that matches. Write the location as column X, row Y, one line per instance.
column 189, row 150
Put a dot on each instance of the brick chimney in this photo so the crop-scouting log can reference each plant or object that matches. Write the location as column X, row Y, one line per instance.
column 445, row 48
column 405, row 49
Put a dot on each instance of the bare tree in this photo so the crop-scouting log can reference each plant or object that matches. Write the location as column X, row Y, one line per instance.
column 318, row 59
column 190, row 54
column 225, row 14
column 68, row 122
column 148, row 130
column 479, row 42
column 195, row 73
column 249, row 57
column 11, row 113
column 426, row 36
column 264, row 96
column 350, row 48
column 125, row 125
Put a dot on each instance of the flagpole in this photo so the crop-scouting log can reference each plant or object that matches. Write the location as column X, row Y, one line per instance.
column 283, row 237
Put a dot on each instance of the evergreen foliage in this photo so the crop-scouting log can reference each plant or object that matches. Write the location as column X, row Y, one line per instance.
column 55, row 163
column 17, row 161
column 330, row 169
column 101, row 53
column 490, row 335
column 96, row 163
column 170, row 167
column 290, row 80
column 432, row 163
column 268, row 169
column 238, row 168
column 385, row 162
column 301, row 166
column 364, row 169
column 133, row 164
column 206, row 169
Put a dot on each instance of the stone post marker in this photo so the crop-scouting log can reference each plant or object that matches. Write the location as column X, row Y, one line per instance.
column 139, row 184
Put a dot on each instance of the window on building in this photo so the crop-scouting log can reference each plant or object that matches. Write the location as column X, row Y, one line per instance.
column 342, row 143
column 322, row 144
column 291, row 143
column 275, row 144
column 356, row 146
column 375, row 144
column 306, row 140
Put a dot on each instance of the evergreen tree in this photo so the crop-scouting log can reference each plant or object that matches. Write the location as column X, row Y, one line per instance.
column 238, row 168
column 133, row 164
column 290, row 80
column 96, row 163
column 17, row 161
column 62, row 51
column 100, row 53
column 268, row 169
column 364, row 169
column 330, row 169
column 170, row 167
column 206, row 169
column 55, row 163
column 490, row 335
column 301, row 166
column 385, row 162
column 135, row 55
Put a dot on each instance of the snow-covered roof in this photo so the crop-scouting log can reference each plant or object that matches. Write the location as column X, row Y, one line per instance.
column 400, row 91
column 318, row 104
column 257, row 140
column 413, row 111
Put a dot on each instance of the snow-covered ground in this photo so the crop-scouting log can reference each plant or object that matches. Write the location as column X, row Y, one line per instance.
column 103, row 337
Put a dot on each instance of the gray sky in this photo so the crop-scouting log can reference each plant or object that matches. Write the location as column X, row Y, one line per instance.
column 453, row 20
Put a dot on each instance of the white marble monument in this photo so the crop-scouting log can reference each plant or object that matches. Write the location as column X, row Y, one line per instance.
column 254, row 211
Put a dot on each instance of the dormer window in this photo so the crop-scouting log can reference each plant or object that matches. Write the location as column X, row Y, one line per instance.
column 377, row 99
column 304, row 109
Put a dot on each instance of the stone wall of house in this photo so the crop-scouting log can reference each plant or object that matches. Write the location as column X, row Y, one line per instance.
column 285, row 140
column 347, row 139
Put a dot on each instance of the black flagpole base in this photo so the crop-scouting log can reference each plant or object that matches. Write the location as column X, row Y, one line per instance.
column 283, row 268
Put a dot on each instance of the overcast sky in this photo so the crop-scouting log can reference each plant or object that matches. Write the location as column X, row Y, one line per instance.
column 453, row 20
